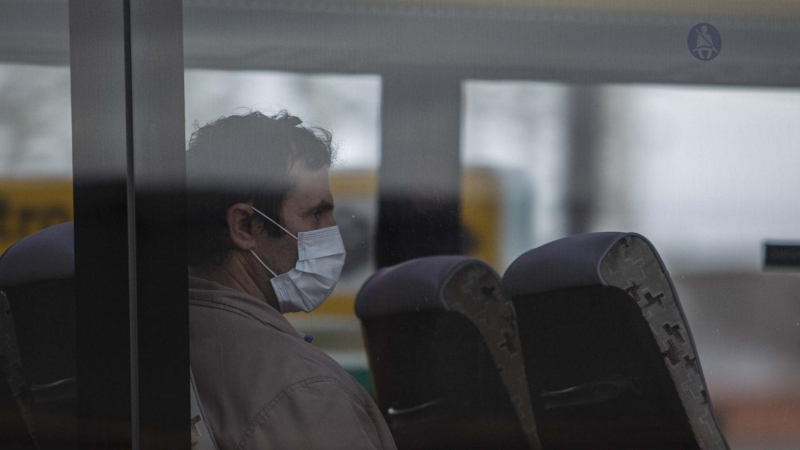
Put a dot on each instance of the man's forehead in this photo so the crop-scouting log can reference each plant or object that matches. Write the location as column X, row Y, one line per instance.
column 309, row 185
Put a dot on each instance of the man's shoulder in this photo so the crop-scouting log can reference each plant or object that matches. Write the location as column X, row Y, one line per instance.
column 315, row 413
column 242, row 365
column 269, row 356
column 301, row 365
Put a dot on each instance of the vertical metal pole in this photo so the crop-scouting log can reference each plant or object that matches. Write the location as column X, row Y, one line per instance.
column 583, row 166
column 158, row 172
column 129, row 176
column 101, row 143
column 420, row 170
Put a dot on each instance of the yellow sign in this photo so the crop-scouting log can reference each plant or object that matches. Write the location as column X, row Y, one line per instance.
column 27, row 206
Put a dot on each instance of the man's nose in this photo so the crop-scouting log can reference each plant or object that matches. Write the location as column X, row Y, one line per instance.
column 329, row 221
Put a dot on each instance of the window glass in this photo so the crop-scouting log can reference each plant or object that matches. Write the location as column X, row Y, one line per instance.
column 36, row 159
column 706, row 174
column 348, row 104
column 523, row 127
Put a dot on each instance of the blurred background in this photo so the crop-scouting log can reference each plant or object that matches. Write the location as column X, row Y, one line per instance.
column 708, row 173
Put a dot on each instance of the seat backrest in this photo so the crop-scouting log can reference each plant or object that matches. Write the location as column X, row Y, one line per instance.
column 609, row 356
column 443, row 350
column 37, row 278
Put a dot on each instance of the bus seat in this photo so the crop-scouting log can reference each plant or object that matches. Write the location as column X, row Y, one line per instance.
column 610, row 359
column 37, row 279
column 443, row 350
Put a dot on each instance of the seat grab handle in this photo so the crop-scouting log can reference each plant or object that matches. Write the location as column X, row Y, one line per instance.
column 590, row 393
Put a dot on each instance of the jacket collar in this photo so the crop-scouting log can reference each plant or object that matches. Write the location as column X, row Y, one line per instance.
column 201, row 290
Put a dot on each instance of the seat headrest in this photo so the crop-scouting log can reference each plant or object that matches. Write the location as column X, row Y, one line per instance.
column 570, row 262
column 48, row 254
column 410, row 286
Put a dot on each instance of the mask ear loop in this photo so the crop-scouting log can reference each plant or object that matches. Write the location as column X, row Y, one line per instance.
column 276, row 223
column 262, row 263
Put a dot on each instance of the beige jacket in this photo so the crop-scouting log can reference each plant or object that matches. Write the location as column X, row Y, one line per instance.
column 262, row 386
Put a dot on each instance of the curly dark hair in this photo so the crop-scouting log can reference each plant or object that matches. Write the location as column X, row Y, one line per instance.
column 244, row 159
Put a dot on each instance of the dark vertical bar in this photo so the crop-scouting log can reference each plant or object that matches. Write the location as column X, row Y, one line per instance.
column 100, row 119
column 585, row 128
column 159, row 183
column 129, row 175
column 420, row 171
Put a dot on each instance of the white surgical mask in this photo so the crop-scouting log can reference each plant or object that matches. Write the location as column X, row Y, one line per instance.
column 320, row 260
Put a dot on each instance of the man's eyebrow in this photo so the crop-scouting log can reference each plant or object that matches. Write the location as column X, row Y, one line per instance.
column 321, row 207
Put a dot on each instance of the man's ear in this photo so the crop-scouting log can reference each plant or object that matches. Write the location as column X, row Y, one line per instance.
column 242, row 229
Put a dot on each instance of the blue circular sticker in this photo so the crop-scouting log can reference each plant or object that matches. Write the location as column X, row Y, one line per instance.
column 704, row 41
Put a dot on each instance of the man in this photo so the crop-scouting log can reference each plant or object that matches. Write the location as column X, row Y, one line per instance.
column 263, row 241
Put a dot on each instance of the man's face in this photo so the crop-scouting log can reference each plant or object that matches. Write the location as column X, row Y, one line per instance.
column 308, row 206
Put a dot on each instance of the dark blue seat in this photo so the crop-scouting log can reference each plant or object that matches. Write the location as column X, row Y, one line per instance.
column 37, row 280
column 609, row 357
column 443, row 350
column 48, row 254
